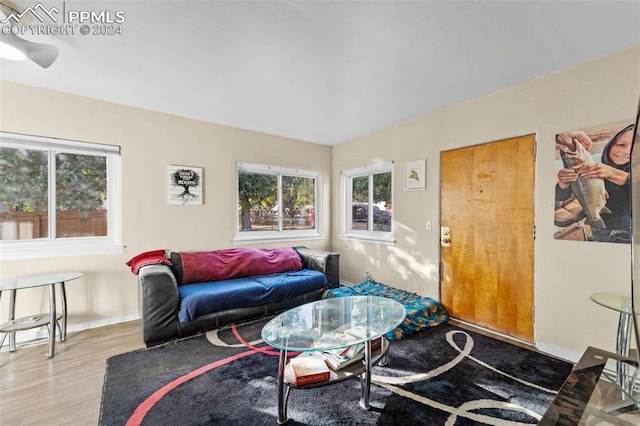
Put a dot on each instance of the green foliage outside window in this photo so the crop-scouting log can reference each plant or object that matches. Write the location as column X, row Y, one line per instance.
column 381, row 188
column 260, row 209
column 256, row 190
column 24, row 176
column 81, row 181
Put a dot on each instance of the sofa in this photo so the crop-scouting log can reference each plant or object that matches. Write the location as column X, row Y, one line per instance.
column 191, row 292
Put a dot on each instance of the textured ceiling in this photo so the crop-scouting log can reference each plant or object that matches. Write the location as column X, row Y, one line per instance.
column 323, row 72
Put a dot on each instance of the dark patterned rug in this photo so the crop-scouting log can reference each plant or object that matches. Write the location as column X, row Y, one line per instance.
column 442, row 375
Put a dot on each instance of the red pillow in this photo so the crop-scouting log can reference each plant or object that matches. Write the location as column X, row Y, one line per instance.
column 147, row 258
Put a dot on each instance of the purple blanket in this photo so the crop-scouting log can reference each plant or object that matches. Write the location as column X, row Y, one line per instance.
column 218, row 265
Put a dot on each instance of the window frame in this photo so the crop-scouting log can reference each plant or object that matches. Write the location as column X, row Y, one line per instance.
column 346, row 209
column 281, row 234
column 52, row 246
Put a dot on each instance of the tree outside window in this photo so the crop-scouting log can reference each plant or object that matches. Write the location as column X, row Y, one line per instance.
column 257, row 199
column 276, row 200
column 298, row 202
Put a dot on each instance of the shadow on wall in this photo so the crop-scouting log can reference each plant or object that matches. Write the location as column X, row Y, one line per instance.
column 403, row 266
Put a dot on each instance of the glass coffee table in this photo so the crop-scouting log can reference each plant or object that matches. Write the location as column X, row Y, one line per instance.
column 332, row 324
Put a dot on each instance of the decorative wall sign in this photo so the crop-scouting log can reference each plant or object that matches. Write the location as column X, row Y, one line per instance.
column 414, row 175
column 185, row 185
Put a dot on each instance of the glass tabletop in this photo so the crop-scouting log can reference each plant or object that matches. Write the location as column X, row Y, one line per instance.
column 617, row 301
column 333, row 323
column 593, row 395
column 37, row 280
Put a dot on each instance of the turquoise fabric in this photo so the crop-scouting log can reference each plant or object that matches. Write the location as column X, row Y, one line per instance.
column 422, row 312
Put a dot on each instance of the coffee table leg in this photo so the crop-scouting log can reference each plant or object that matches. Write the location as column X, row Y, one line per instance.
column 283, row 389
column 366, row 385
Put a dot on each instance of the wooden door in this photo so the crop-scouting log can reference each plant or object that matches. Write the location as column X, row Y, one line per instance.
column 487, row 202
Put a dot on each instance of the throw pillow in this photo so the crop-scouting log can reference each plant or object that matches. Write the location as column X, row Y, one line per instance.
column 151, row 257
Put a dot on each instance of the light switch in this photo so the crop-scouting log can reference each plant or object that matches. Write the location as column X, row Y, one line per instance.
column 428, row 225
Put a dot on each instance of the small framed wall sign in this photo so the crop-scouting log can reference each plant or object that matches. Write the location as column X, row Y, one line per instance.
column 414, row 175
column 185, row 185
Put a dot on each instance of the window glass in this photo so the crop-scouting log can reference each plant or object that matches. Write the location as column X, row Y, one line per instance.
column 382, row 202
column 277, row 202
column 368, row 195
column 360, row 203
column 257, row 202
column 298, row 201
column 81, row 195
column 24, row 201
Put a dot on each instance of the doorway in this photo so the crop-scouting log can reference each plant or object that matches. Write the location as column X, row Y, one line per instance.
column 487, row 203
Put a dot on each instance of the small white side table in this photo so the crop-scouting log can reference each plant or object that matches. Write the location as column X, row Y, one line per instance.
column 38, row 320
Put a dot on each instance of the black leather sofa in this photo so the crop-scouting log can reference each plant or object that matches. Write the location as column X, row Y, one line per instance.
column 160, row 302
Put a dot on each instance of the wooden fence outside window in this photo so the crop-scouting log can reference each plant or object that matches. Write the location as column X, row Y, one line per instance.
column 34, row 225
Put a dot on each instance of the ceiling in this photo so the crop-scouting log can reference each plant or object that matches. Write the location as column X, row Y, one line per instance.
column 320, row 71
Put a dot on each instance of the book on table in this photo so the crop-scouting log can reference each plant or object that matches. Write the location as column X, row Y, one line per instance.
column 344, row 357
column 309, row 369
column 341, row 358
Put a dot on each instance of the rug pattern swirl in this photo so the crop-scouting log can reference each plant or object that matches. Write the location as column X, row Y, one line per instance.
column 440, row 376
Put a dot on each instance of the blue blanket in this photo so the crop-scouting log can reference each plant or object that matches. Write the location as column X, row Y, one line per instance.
column 206, row 298
column 422, row 312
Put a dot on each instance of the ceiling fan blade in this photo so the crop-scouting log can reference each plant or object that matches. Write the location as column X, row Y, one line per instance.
column 40, row 53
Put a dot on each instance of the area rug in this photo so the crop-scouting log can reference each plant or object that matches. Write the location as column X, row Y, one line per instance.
column 443, row 375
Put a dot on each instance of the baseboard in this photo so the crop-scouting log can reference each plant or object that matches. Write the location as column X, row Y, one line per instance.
column 558, row 352
column 39, row 335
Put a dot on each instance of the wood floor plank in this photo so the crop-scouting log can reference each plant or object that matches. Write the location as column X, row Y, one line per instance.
column 65, row 389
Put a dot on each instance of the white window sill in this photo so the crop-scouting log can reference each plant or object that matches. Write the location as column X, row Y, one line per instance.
column 36, row 249
column 368, row 238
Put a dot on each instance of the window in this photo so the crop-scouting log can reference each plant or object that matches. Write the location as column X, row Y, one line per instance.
column 277, row 203
column 57, row 197
column 367, row 201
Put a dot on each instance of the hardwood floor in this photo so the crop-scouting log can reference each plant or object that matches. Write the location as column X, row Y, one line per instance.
column 65, row 389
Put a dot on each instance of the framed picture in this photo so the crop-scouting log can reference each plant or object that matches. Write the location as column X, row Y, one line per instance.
column 414, row 175
column 185, row 185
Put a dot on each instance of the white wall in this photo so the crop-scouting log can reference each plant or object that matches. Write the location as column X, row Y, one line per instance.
column 601, row 92
column 566, row 273
column 150, row 141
